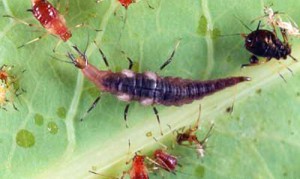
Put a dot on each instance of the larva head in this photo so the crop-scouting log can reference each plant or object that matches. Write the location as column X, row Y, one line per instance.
column 81, row 61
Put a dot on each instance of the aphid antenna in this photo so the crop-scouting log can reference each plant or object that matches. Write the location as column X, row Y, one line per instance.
column 259, row 22
column 111, row 177
column 208, row 134
column 228, row 35
column 243, row 24
column 123, row 27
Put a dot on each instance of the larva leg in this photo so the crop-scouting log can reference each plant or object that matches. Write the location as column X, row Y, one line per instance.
column 158, row 120
column 130, row 63
column 170, row 58
column 102, row 54
column 125, row 114
column 91, row 108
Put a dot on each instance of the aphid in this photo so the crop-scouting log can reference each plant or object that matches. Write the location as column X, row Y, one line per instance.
column 265, row 43
column 191, row 137
column 162, row 159
column 165, row 160
column 4, row 75
column 148, row 88
column 50, row 18
column 138, row 169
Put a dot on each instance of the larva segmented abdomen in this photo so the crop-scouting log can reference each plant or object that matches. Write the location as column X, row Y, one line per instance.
column 148, row 88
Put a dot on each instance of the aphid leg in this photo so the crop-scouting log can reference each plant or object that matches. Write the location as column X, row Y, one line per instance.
column 22, row 21
column 151, row 7
column 30, row 25
column 208, row 134
column 86, row 25
column 18, row 93
column 34, row 40
column 3, row 66
column 161, row 144
column 125, row 115
column 111, row 177
column 293, row 58
column 3, row 108
column 91, row 108
column 201, row 145
column 171, row 57
column 281, row 76
column 196, row 126
column 158, row 120
column 284, row 36
column 253, row 60
column 14, row 106
column 102, row 54
column 56, row 46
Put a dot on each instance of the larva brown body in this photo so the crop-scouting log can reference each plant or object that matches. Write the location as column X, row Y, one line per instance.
column 149, row 89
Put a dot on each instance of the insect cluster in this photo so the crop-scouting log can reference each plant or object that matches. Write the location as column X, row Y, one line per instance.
column 8, row 89
column 149, row 88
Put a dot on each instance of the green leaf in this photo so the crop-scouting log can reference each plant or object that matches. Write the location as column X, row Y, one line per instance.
column 45, row 138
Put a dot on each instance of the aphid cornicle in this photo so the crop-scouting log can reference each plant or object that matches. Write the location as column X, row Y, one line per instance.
column 265, row 43
column 148, row 88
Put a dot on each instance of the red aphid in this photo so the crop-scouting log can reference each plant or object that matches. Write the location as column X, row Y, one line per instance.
column 126, row 3
column 50, row 19
column 3, row 75
column 165, row 160
column 138, row 169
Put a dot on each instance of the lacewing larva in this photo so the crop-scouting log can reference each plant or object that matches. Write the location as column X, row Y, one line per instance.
column 148, row 88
